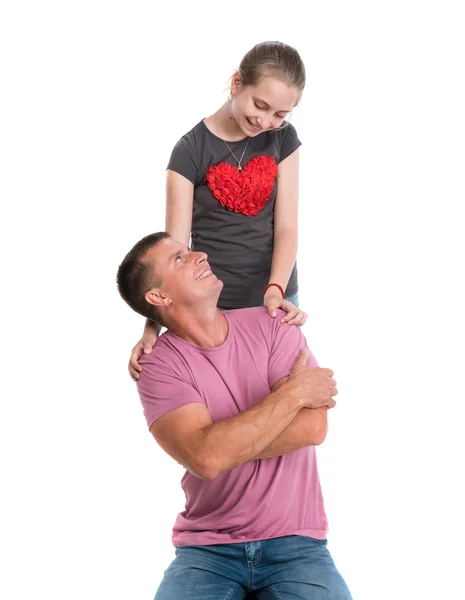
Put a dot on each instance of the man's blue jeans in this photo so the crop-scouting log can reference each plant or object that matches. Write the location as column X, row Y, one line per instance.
column 291, row 568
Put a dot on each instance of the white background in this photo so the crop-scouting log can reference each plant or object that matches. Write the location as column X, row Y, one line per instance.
column 93, row 97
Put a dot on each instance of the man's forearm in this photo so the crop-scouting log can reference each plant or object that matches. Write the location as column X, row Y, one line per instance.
column 308, row 428
column 208, row 449
column 235, row 440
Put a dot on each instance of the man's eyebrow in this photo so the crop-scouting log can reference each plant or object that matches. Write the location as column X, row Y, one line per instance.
column 174, row 255
column 178, row 253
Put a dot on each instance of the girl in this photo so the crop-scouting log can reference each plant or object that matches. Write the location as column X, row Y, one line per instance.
column 232, row 187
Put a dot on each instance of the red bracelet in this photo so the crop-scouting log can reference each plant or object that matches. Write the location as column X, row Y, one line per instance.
column 278, row 286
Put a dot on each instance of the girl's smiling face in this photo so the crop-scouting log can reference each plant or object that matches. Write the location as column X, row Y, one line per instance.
column 263, row 106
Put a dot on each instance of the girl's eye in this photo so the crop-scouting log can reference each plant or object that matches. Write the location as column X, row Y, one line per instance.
column 177, row 260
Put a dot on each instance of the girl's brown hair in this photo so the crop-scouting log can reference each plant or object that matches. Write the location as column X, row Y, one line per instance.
column 273, row 59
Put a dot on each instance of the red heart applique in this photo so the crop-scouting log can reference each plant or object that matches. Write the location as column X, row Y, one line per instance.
column 245, row 191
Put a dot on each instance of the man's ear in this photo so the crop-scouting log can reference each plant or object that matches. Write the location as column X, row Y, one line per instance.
column 157, row 298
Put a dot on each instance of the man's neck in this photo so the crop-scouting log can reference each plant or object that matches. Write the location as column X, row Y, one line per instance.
column 206, row 329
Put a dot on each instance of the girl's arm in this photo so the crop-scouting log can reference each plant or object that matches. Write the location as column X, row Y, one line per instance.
column 178, row 221
column 179, row 202
column 143, row 346
column 285, row 239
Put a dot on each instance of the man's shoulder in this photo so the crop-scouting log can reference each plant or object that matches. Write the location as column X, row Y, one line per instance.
column 164, row 353
column 256, row 320
column 245, row 312
column 250, row 316
column 255, row 313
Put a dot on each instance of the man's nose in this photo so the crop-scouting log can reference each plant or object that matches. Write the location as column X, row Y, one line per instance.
column 199, row 257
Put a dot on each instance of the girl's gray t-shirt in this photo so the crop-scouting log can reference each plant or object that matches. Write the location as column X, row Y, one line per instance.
column 239, row 244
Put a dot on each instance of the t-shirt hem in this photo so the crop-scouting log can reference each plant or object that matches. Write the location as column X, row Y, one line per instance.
column 159, row 414
column 212, row 539
column 177, row 170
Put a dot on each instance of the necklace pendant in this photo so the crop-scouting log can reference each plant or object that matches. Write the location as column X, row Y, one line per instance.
column 238, row 160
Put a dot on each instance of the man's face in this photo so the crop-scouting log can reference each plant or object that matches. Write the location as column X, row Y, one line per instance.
column 185, row 276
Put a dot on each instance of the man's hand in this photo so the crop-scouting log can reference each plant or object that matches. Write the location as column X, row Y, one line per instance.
column 314, row 387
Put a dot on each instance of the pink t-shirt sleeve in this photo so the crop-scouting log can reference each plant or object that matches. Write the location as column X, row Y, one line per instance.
column 162, row 390
column 286, row 343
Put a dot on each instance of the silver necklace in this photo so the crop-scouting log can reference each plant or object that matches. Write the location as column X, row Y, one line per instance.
column 238, row 160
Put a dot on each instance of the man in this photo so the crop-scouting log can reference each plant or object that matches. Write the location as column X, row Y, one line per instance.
column 237, row 399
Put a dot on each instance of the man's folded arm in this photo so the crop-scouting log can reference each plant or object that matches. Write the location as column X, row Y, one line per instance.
column 308, row 428
column 207, row 449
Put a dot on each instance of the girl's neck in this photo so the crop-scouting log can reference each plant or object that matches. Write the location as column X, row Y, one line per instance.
column 223, row 124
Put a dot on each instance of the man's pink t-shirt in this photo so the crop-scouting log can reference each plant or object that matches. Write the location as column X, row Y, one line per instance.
column 260, row 499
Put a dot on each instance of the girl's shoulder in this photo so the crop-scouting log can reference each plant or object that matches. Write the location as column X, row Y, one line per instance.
column 285, row 140
column 196, row 136
column 287, row 131
column 194, row 152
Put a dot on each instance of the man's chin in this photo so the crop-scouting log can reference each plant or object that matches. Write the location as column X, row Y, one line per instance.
column 212, row 289
column 218, row 286
column 215, row 281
